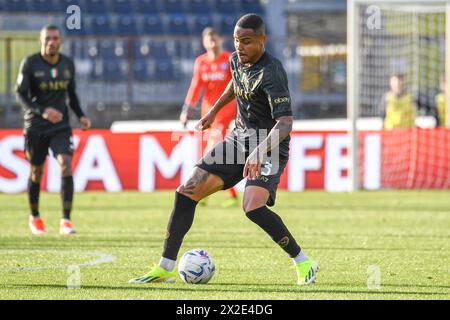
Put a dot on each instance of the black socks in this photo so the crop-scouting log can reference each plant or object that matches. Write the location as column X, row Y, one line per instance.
column 179, row 224
column 33, row 190
column 66, row 196
column 272, row 224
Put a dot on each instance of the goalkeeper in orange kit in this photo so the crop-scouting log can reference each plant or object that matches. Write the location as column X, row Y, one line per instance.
column 211, row 76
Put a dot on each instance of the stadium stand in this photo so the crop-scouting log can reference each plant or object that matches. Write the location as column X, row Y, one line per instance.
column 131, row 43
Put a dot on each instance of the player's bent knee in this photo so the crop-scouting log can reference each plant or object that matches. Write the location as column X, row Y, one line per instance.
column 252, row 202
column 254, row 198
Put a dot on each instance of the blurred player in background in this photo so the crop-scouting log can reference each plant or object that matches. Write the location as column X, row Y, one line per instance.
column 398, row 105
column 211, row 76
column 441, row 107
column 259, row 83
column 45, row 81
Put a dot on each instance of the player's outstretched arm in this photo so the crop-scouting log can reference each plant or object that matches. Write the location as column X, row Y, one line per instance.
column 279, row 132
column 226, row 97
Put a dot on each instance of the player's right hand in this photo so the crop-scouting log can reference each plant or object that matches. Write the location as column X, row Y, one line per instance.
column 52, row 115
column 205, row 122
column 183, row 118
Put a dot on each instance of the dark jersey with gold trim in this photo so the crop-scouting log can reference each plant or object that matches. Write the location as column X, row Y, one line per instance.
column 263, row 96
column 41, row 85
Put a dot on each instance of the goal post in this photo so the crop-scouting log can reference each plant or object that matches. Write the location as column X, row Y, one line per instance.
column 386, row 37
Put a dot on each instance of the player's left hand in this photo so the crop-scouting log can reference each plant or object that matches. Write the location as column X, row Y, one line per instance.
column 252, row 168
column 85, row 123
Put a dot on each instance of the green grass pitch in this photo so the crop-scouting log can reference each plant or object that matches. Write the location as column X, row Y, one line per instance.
column 405, row 235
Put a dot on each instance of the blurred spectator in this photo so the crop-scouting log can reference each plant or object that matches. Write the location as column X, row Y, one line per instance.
column 441, row 107
column 398, row 106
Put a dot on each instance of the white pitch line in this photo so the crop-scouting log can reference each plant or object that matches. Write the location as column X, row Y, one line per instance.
column 102, row 258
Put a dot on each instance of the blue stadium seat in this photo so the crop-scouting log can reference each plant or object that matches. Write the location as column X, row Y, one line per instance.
column 201, row 22
column 17, row 6
column 226, row 6
column 174, row 6
column 199, row 6
column 113, row 70
column 175, row 49
column 62, row 5
column 95, row 6
column 178, row 25
column 96, row 73
column 182, row 49
column 141, row 49
column 43, row 6
column 147, row 6
column 140, row 70
column 196, row 48
column 121, row 49
column 226, row 24
column 158, row 50
column 144, row 70
column 127, row 25
column 164, row 70
column 76, row 49
column 152, row 24
column 122, row 6
column 253, row 6
column 101, row 25
column 105, row 49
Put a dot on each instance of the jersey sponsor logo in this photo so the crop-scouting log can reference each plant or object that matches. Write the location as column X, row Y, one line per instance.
column 263, row 179
column 43, row 86
column 247, row 95
column 54, row 85
column 282, row 100
column 213, row 76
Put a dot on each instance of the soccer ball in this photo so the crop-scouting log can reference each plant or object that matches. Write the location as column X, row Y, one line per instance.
column 196, row 267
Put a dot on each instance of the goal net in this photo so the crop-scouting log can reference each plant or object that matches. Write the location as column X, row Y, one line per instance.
column 397, row 79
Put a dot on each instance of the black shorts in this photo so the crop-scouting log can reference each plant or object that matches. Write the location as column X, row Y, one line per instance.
column 37, row 145
column 226, row 161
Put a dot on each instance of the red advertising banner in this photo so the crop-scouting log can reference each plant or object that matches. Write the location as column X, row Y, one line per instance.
column 162, row 160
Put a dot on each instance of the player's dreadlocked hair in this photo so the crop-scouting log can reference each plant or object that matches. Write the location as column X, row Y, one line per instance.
column 252, row 21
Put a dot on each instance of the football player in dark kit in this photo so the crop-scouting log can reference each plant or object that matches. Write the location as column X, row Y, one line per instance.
column 258, row 149
column 45, row 82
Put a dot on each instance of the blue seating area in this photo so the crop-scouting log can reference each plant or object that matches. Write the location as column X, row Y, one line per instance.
column 115, row 32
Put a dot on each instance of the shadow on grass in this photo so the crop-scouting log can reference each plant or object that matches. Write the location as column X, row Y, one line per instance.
column 223, row 288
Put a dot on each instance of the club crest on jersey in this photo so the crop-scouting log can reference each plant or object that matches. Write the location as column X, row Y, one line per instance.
column 67, row 74
column 224, row 66
column 53, row 72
